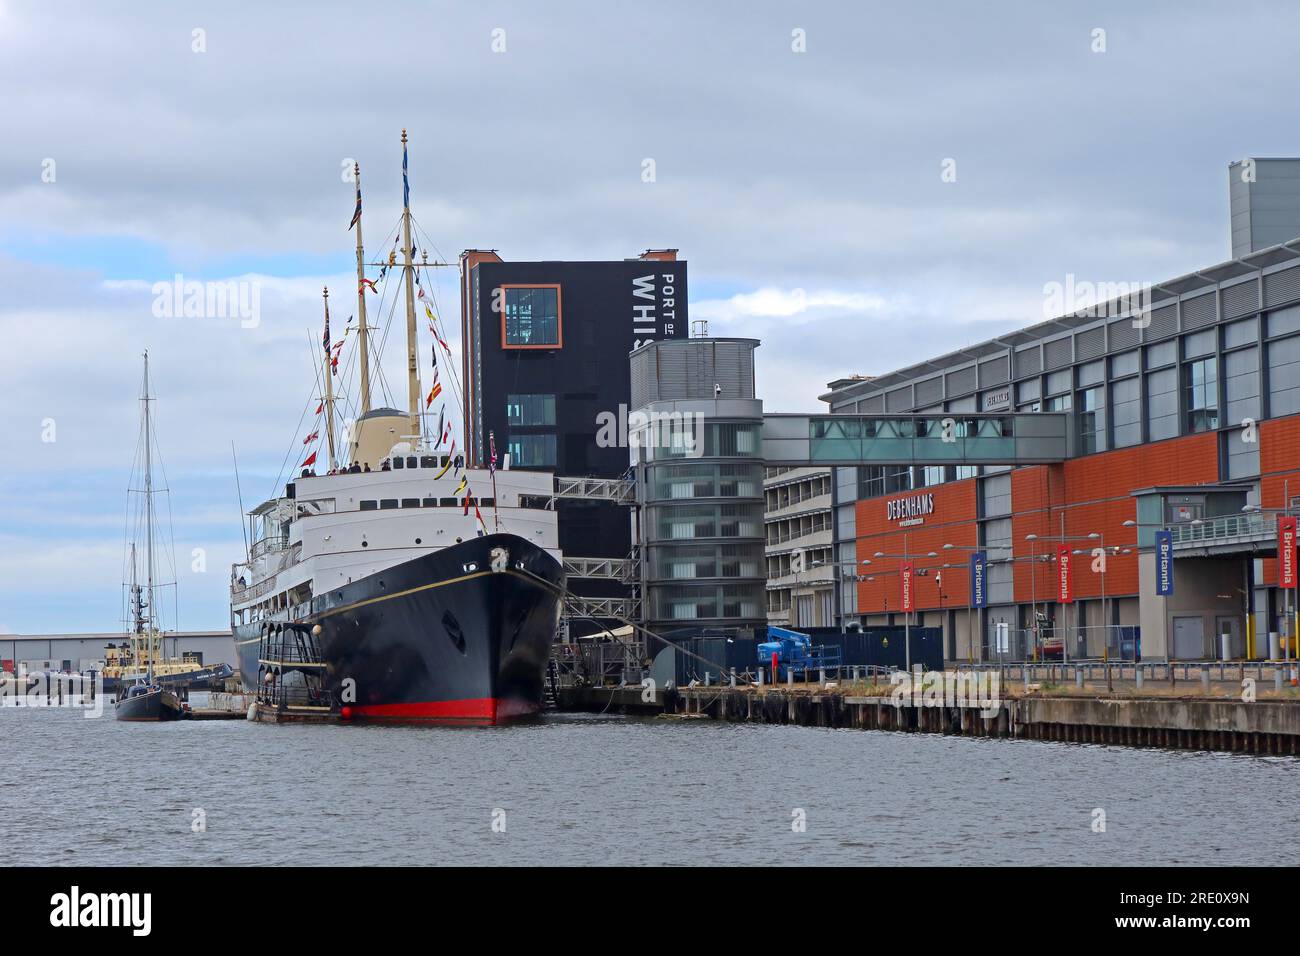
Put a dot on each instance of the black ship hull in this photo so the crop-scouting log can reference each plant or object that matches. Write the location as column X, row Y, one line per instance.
column 155, row 704
column 461, row 634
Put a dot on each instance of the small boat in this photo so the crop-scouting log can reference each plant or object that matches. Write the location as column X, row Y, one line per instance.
column 144, row 701
column 141, row 697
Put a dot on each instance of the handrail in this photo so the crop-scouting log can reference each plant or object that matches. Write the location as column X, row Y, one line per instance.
column 1224, row 526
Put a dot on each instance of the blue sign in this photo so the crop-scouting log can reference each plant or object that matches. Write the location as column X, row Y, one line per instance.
column 1164, row 563
column 979, row 596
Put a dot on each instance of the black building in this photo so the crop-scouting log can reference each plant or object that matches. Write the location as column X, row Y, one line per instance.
column 546, row 373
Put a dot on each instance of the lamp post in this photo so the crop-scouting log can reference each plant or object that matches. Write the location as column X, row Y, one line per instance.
column 970, row 549
column 817, row 563
column 906, row 557
column 1091, row 536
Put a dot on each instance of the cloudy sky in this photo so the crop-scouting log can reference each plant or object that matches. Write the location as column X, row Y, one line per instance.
column 143, row 140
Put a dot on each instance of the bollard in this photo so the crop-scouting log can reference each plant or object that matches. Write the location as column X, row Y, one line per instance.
column 733, row 677
column 789, row 676
column 821, row 676
column 1137, row 676
column 708, row 678
column 760, row 677
column 1277, row 679
column 1205, row 680
column 1078, row 677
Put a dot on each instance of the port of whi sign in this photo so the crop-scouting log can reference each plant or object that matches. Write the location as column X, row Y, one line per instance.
column 1286, row 577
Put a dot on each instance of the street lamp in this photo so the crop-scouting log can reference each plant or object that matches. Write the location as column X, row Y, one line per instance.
column 907, row 615
column 970, row 635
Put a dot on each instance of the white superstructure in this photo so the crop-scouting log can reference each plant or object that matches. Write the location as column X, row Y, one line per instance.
column 330, row 530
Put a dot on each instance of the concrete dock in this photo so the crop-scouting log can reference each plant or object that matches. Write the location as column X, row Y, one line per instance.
column 1261, row 726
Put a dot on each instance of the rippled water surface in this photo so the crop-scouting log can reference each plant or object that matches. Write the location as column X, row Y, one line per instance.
column 584, row 789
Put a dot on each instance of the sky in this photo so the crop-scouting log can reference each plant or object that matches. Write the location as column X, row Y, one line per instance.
column 858, row 185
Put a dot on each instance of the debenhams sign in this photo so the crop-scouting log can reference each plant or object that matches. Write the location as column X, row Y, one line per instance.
column 910, row 510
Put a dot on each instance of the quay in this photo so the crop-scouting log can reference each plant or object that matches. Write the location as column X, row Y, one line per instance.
column 1200, row 712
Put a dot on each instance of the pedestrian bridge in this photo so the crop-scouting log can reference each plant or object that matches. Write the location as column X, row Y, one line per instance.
column 956, row 438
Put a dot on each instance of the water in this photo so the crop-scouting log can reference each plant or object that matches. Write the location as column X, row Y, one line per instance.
column 582, row 789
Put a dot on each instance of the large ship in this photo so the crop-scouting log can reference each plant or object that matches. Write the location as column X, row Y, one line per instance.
column 424, row 590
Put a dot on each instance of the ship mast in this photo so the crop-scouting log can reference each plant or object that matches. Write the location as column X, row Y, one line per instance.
column 362, row 329
column 148, row 521
column 329, row 382
column 412, row 345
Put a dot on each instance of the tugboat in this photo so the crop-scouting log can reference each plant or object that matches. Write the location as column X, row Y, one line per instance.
column 416, row 608
column 140, row 696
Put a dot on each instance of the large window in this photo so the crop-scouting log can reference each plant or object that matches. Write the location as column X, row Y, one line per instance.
column 1202, row 395
column 1284, row 376
column 531, row 451
column 1126, row 412
column 530, row 409
column 531, row 317
column 1241, row 385
column 1162, row 404
column 1092, row 420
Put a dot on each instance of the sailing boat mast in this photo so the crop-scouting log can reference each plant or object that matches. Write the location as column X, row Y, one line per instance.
column 362, row 328
column 412, row 345
column 329, row 382
column 148, row 519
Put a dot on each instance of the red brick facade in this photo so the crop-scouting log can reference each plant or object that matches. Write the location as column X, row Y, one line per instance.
column 1074, row 499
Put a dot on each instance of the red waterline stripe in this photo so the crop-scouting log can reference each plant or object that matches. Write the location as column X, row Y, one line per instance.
column 478, row 708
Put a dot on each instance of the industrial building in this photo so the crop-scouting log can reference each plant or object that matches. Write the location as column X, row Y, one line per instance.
column 66, row 653
column 1155, row 529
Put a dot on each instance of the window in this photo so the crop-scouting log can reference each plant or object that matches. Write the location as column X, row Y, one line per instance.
column 1202, row 395
column 1126, row 412
column 1284, row 376
column 530, row 409
column 1243, row 456
column 1162, row 405
column 1241, row 385
column 1125, row 364
column 1058, row 382
column 1166, row 353
column 1092, row 420
column 531, row 451
column 531, row 317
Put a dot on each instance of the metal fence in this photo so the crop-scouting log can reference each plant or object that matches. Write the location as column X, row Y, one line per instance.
column 1116, row 642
